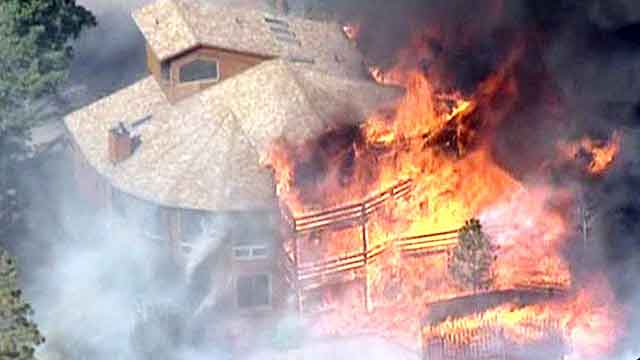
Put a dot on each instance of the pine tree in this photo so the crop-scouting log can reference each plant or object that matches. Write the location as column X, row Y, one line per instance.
column 35, row 55
column 19, row 335
column 471, row 263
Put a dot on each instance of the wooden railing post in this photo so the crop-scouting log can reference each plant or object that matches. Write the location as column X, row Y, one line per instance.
column 365, row 251
column 296, row 269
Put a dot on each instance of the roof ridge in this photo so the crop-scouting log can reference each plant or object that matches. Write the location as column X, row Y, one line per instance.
column 238, row 133
column 244, row 134
column 228, row 166
column 195, row 135
column 303, row 91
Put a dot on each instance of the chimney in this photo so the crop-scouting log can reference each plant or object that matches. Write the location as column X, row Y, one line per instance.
column 282, row 7
column 121, row 143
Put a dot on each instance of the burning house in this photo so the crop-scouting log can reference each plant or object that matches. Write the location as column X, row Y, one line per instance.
column 271, row 140
column 181, row 152
column 372, row 214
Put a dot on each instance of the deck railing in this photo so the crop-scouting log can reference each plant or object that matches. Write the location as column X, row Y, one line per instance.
column 307, row 272
column 348, row 215
column 313, row 274
column 491, row 341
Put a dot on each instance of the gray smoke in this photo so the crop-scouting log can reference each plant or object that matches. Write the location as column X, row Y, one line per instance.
column 96, row 277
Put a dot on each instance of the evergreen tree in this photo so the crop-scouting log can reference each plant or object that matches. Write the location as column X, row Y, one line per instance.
column 19, row 335
column 35, row 55
column 471, row 263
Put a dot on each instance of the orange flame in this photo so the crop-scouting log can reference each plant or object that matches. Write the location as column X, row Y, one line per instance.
column 582, row 320
column 441, row 141
column 600, row 154
column 351, row 31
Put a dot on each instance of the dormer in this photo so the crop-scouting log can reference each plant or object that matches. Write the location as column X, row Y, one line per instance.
column 192, row 44
column 199, row 68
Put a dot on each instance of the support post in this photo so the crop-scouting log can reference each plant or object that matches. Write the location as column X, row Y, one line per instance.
column 296, row 262
column 365, row 250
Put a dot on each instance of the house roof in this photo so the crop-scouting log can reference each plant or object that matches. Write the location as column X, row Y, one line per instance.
column 174, row 26
column 204, row 152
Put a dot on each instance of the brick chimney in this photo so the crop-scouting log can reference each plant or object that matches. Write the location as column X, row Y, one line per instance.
column 121, row 143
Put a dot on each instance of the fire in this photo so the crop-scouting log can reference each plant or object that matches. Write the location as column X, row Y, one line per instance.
column 351, row 31
column 440, row 141
column 599, row 154
column 377, row 74
column 579, row 320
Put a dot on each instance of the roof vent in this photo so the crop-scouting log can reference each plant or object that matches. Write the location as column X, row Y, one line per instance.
column 289, row 40
column 280, row 30
column 141, row 121
column 276, row 22
column 121, row 143
column 300, row 59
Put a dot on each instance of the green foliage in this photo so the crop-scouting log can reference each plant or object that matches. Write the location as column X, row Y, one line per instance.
column 471, row 263
column 19, row 335
column 35, row 54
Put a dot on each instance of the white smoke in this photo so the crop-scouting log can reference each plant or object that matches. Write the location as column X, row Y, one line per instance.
column 213, row 230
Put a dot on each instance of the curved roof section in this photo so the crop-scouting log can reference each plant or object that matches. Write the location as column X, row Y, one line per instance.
column 204, row 152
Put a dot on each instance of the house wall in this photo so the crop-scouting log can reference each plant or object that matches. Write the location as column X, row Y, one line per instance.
column 91, row 185
column 230, row 63
column 247, row 231
column 171, row 227
column 153, row 64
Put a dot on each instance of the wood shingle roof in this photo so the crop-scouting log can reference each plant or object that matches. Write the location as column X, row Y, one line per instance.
column 205, row 152
column 172, row 27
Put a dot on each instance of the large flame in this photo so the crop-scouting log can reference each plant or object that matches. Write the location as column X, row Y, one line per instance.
column 586, row 322
column 441, row 141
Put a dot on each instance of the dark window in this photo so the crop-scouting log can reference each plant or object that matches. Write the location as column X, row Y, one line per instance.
column 165, row 70
column 251, row 252
column 254, row 291
column 199, row 69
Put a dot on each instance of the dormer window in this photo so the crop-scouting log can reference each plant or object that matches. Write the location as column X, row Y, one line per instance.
column 202, row 67
column 200, row 70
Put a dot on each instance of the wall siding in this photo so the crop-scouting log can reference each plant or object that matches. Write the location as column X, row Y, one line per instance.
column 229, row 64
column 91, row 185
column 99, row 192
column 153, row 64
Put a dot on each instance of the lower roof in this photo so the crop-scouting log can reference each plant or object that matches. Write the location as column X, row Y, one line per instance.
column 205, row 151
